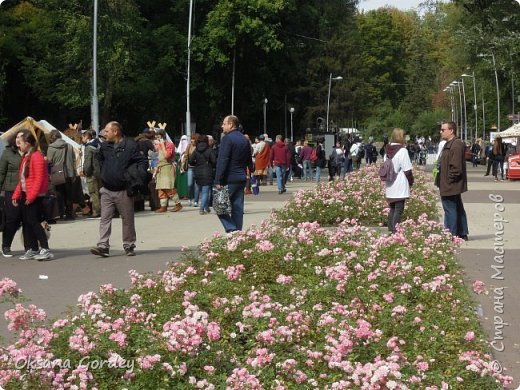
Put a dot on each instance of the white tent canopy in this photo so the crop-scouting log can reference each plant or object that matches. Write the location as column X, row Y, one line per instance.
column 512, row 132
column 37, row 127
column 66, row 138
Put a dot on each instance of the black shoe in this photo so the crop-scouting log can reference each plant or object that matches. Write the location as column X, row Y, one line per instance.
column 464, row 237
column 98, row 251
column 130, row 251
column 486, row 174
column 284, row 190
column 6, row 252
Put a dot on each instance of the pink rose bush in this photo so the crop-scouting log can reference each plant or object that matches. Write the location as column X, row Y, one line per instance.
column 8, row 289
column 289, row 307
column 360, row 196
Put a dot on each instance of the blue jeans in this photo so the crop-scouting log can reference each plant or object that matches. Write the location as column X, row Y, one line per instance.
column 234, row 221
column 280, row 176
column 193, row 189
column 307, row 169
column 318, row 174
column 204, row 197
column 348, row 166
column 455, row 219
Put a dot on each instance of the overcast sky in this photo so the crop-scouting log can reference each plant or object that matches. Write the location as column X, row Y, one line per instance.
column 402, row 4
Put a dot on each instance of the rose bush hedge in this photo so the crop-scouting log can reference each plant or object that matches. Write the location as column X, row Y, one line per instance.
column 298, row 307
column 360, row 196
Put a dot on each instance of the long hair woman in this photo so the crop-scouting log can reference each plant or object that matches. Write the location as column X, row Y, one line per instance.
column 28, row 195
column 498, row 158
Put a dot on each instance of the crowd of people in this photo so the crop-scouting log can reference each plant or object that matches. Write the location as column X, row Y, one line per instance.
column 113, row 175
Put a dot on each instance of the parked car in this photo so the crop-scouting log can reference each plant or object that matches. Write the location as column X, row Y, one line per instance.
column 467, row 153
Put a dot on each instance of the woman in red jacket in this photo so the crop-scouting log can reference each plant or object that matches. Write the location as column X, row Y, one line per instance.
column 29, row 194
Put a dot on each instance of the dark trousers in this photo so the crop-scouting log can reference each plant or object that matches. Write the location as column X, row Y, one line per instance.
column 65, row 196
column 498, row 163
column 489, row 164
column 394, row 216
column 33, row 232
column 13, row 220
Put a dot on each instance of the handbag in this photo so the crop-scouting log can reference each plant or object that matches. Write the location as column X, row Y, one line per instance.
column 221, row 201
column 254, row 185
column 58, row 175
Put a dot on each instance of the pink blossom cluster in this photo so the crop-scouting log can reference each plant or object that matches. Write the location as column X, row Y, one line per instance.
column 240, row 379
column 233, row 271
column 80, row 341
column 8, row 287
column 21, row 318
column 479, row 287
column 148, row 361
column 185, row 334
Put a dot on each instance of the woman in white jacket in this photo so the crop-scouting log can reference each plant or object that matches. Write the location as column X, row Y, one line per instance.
column 399, row 190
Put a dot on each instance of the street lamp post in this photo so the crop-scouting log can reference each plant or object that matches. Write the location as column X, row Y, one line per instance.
column 328, row 97
column 455, row 111
column 474, row 100
column 291, row 110
column 483, row 113
column 465, row 112
column 188, row 112
column 265, row 115
column 94, row 108
column 449, row 90
column 492, row 55
column 454, row 108
column 457, row 83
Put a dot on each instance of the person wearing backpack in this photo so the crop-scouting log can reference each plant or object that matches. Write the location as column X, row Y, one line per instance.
column 399, row 181
column 90, row 169
column 357, row 152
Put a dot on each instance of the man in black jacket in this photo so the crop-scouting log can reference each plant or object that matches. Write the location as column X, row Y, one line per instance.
column 121, row 166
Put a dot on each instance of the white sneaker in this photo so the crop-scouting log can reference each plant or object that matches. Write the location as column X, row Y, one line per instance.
column 30, row 254
column 45, row 254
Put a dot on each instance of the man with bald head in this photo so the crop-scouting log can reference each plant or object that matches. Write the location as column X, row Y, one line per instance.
column 234, row 158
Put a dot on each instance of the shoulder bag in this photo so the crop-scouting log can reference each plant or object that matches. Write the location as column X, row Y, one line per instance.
column 58, row 175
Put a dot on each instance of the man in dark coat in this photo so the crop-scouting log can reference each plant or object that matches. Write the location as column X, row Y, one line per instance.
column 453, row 181
column 233, row 158
column 122, row 166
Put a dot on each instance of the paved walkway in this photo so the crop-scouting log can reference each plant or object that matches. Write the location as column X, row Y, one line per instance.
column 487, row 203
column 161, row 237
